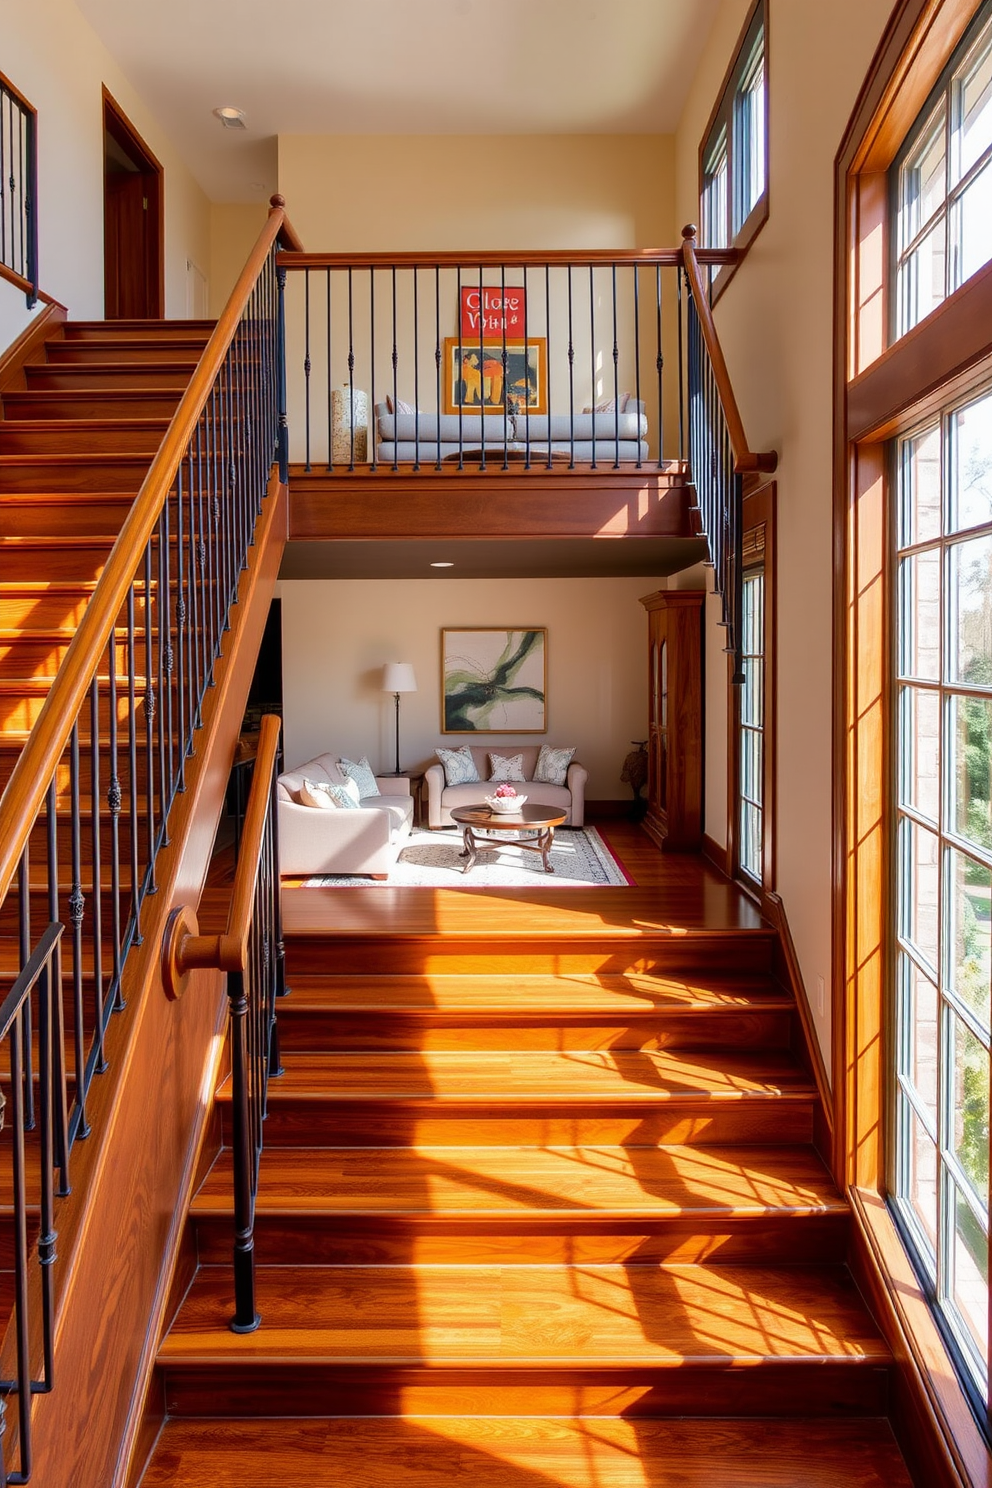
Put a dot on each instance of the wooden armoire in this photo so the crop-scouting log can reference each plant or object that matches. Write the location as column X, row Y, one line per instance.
column 675, row 718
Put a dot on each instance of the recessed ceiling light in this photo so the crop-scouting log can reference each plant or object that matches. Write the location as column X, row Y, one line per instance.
column 230, row 117
column 442, row 565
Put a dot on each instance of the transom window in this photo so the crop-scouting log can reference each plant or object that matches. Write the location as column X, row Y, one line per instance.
column 734, row 156
column 943, row 183
column 943, row 866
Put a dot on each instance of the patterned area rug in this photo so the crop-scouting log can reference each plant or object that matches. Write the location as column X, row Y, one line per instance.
column 431, row 860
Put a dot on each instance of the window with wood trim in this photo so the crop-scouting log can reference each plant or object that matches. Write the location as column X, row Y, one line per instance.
column 733, row 160
column 943, row 865
column 942, row 183
column 751, row 711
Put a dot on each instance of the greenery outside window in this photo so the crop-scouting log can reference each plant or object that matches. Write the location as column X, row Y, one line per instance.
column 751, row 722
column 942, row 935
column 733, row 158
column 942, row 181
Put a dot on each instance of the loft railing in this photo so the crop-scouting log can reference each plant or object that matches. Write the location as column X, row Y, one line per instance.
column 86, row 809
column 416, row 363
column 718, row 451
column 18, row 190
column 251, row 952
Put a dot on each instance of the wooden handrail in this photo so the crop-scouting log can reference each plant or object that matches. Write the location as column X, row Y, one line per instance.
column 184, row 949
column 556, row 258
column 25, row 791
column 745, row 459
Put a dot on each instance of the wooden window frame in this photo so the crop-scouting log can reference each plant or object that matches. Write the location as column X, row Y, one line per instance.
column 722, row 119
column 758, row 510
column 883, row 387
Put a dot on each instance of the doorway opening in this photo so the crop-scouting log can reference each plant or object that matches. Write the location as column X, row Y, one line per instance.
column 133, row 221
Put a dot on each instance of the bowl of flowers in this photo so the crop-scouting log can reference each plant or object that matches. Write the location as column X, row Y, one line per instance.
column 504, row 799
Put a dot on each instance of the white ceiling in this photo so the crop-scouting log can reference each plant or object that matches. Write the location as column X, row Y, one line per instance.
column 397, row 67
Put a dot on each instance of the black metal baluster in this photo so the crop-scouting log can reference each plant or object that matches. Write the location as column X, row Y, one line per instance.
column 616, row 374
column 96, row 848
column 482, row 367
column 57, row 1102
column 527, row 379
column 637, row 368
column 371, row 362
column 306, row 364
column 283, row 443
column 114, row 801
column 22, row 1382
column 506, row 371
column 458, row 384
column 168, row 662
column 416, row 370
column 151, row 706
column 437, row 363
column 571, row 377
column 77, row 905
column 132, row 747
column 23, row 952
column 592, row 354
column 395, row 366
column 547, row 330
column 330, row 382
column 351, row 368
column 678, row 320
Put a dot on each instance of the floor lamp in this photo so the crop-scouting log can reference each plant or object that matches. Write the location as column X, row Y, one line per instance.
column 397, row 677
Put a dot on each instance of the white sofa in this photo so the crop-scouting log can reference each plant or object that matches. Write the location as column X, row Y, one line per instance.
column 429, row 437
column 442, row 798
column 367, row 840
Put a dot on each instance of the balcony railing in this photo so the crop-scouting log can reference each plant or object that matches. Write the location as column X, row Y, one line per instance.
column 18, row 190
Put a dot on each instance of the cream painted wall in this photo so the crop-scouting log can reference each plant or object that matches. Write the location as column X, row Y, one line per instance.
column 776, row 329
column 234, row 227
column 56, row 60
column 338, row 634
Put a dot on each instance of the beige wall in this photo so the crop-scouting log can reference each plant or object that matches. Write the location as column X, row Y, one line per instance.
column 338, row 634
column 56, row 60
column 234, row 226
column 775, row 324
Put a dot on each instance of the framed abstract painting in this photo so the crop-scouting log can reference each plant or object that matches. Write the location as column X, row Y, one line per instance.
column 493, row 376
column 494, row 681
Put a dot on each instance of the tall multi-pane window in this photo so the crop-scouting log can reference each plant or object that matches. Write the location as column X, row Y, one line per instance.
column 751, row 724
column 943, row 184
column 733, row 186
column 943, row 865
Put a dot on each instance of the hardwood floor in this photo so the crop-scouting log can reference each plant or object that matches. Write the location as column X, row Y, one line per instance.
column 539, row 1205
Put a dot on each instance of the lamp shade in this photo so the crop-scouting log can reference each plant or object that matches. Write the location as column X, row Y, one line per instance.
column 397, row 676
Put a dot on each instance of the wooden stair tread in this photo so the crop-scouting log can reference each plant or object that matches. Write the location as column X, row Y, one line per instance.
column 590, row 1316
column 537, row 1076
column 529, row 1452
column 531, row 996
column 528, row 1181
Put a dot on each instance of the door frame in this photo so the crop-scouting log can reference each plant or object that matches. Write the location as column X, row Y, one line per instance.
column 118, row 125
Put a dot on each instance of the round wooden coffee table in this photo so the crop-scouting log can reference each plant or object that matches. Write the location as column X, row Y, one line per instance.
column 539, row 821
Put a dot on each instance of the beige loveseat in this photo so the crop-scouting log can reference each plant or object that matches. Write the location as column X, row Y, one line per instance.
column 571, row 796
column 367, row 840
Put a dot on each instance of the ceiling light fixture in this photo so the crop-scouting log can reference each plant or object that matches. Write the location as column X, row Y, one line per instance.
column 442, row 565
column 231, row 118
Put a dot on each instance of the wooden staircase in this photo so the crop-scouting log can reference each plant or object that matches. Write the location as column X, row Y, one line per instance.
column 534, row 1209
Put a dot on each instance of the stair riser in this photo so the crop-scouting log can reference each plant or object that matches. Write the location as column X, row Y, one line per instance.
column 9, row 755
column 33, row 517
column 89, row 473
column 133, row 349
column 22, row 712
column 138, row 330
column 313, row 1032
column 398, row 1124
column 115, row 405
column 667, row 956
column 175, row 378
column 26, row 657
column 374, row 1240
column 127, row 437
column 825, row 1389
column 84, row 560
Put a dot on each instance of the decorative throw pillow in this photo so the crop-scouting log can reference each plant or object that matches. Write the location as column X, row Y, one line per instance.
column 400, row 407
column 317, row 793
column 506, row 767
column 362, row 774
column 459, row 766
column 552, row 765
column 611, row 405
column 346, row 796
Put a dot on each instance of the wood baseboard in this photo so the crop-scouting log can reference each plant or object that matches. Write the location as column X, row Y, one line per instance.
column 790, row 972
column 717, row 855
column 607, row 810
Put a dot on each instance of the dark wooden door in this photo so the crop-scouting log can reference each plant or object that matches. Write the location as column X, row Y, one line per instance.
column 134, row 274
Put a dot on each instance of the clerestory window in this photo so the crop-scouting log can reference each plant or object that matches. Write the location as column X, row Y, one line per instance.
column 942, row 183
column 733, row 188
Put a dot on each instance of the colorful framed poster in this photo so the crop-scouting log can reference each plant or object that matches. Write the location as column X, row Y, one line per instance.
column 493, row 376
column 494, row 681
